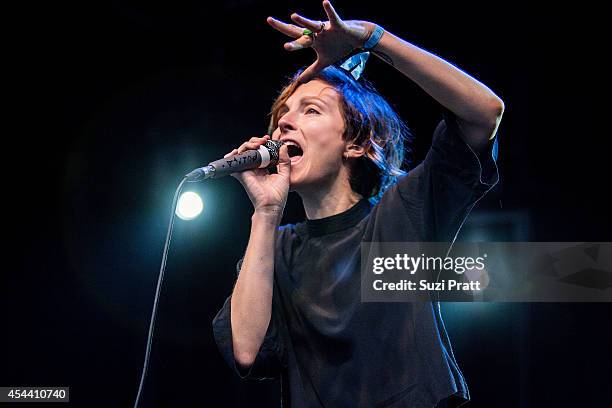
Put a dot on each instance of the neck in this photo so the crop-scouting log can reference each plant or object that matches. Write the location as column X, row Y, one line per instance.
column 331, row 199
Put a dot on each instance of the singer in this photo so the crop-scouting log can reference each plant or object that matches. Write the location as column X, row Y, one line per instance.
column 295, row 310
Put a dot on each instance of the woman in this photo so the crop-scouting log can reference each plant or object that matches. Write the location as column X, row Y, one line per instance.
column 295, row 311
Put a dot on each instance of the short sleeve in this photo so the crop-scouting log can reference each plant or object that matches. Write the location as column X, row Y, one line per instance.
column 270, row 358
column 450, row 154
column 444, row 188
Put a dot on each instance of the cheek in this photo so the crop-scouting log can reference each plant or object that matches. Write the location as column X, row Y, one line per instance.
column 325, row 137
column 326, row 158
column 331, row 145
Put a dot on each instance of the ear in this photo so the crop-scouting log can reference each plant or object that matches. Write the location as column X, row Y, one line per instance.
column 353, row 151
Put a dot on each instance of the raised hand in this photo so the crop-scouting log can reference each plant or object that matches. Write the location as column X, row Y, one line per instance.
column 332, row 40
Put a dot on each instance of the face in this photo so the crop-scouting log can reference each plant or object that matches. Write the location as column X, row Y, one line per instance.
column 311, row 118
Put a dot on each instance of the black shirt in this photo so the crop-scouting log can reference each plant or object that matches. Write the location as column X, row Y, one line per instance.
column 332, row 350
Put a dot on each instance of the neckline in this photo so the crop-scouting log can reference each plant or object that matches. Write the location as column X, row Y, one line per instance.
column 338, row 222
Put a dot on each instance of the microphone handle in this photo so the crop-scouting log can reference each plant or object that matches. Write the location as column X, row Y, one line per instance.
column 247, row 160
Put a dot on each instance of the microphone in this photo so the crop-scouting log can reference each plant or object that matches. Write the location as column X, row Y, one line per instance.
column 264, row 157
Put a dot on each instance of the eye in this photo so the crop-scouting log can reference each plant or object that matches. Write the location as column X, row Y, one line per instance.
column 312, row 110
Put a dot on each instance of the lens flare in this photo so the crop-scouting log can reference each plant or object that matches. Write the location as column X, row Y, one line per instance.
column 189, row 206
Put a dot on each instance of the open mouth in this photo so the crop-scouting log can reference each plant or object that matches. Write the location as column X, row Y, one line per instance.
column 294, row 150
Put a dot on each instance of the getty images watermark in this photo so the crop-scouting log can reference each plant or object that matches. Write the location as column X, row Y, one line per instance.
column 428, row 264
column 491, row 271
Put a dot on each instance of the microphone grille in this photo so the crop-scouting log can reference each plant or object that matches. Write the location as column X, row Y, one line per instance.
column 273, row 147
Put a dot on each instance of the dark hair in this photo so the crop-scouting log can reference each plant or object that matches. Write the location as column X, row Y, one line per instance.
column 369, row 122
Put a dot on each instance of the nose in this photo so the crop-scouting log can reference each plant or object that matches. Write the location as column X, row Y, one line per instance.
column 287, row 123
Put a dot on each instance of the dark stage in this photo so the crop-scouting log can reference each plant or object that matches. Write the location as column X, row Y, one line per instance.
column 111, row 103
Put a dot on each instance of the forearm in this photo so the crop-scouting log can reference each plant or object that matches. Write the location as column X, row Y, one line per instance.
column 463, row 95
column 251, row 303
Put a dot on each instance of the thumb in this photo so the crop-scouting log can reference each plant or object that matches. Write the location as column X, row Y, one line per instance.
column 311, row 71
column 284, row 161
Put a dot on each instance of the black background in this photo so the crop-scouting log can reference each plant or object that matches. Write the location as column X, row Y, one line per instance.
column 110, row 103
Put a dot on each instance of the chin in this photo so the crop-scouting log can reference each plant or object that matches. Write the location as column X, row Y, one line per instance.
column 297, row 179
column 294, row 185
column 297, row 182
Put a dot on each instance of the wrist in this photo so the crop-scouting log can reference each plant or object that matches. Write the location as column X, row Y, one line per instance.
column 373, row 38
column 360, row 32
column 270, row 216
column 363, row 32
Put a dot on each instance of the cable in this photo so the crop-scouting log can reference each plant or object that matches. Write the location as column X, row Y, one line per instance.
column 157, row 292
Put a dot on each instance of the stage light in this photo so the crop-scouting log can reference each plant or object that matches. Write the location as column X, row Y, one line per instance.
column 189, row 206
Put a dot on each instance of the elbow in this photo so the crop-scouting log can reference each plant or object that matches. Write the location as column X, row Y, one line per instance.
column 498, row 107
column 492, row 115
column 243, row 354
column 496, row 110
column 244, row 359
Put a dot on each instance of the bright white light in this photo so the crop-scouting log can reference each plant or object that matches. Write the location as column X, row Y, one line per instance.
column 189, row 206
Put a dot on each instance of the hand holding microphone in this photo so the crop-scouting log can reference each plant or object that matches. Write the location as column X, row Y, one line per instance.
column 263, row 156
column 249, row 164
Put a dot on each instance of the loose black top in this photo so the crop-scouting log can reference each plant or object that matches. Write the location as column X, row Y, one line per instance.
column 332, row 350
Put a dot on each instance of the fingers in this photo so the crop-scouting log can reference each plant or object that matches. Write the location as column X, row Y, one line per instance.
column 305, row 22
column 301, row 43
column 252, row 144
column 334, row 18
column 311, row 71
column 287, row 29
column 284, row 161
column 233, row 152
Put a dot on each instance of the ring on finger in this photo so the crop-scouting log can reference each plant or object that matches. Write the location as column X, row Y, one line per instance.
column 322, row 28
